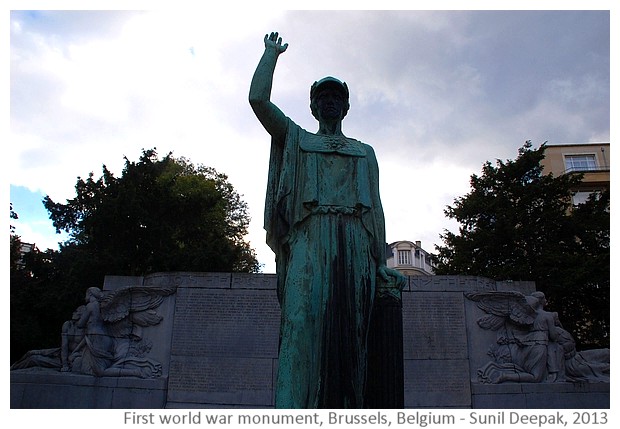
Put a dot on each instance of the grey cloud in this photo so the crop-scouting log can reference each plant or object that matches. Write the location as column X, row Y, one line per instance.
column 451, row 79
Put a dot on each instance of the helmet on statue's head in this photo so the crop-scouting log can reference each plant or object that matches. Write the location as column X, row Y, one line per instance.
column 333, row 83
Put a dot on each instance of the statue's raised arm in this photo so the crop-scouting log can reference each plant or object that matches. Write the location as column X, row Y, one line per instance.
column 268, row 113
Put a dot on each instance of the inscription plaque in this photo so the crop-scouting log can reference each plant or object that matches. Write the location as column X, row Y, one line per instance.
column 212, row 322
column 434, row 325
column 437, row 383
column 221, row 380
column 224, row 344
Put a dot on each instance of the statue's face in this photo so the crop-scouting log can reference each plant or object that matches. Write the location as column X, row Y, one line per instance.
column 329, row 104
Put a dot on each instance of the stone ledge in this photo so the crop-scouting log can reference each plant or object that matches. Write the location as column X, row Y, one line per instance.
column 541, row 395
column 433, row 283
column 254, row 281
column 510, row 388
column 50, row 389
column 47, row 376
column 184, row 279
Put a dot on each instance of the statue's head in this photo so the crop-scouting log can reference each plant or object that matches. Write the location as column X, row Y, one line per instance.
column 94, row 292
column 78, row 312
column 329, row 83
column 539, row 299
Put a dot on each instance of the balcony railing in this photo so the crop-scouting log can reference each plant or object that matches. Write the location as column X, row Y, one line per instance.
column 586, row 169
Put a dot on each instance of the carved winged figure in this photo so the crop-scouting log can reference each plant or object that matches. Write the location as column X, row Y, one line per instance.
column 128, row 310
column 105, row 336
column 524, row 331
column 113, row 323
column 503, row 306
column 532, row 345
column 592, row 366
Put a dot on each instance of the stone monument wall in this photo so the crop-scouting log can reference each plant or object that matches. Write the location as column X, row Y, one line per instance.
column 225, row 343
column 218, row 346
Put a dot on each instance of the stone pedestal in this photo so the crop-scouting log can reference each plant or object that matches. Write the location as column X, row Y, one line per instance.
column 385, row 387
column 46, row 389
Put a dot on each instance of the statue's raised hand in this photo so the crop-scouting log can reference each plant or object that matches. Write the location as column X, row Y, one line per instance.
column 273, row 41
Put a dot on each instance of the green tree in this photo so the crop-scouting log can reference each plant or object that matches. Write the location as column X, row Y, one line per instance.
column 160, row 215
column 518, row 224
column 583, row 291
column 41, row 298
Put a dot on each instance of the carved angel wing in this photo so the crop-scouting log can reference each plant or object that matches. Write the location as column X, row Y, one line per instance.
column 128, row 310
column 502, row 306
column 133, row 300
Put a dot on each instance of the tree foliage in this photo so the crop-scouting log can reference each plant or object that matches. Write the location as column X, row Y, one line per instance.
column 43, row 295
column 159, row 215
column 518, row 224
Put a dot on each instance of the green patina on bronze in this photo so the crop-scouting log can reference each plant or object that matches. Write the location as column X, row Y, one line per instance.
column 325, row 223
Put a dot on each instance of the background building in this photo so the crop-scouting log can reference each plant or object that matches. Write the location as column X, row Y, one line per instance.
column 409, row 258
column 591, row 159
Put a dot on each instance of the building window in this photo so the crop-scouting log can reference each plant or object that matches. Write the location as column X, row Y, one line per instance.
column 404, row 257
column 582, row 162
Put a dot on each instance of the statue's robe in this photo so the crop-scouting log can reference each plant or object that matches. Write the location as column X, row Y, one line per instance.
column 325, row 223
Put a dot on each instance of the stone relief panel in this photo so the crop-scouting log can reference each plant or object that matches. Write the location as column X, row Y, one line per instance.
column 105, row 336
column 531, row 346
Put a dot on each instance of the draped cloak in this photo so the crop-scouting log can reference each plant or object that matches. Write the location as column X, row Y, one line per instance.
column 325, row 223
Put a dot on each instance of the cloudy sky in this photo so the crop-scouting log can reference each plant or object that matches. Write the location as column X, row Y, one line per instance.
column 436, row 93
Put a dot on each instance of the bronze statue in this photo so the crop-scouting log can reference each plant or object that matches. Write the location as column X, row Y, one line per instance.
column 325, row 224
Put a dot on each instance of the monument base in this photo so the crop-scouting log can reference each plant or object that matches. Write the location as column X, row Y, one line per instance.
column 47, row 389
column 541, row 395
column 33, row 388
